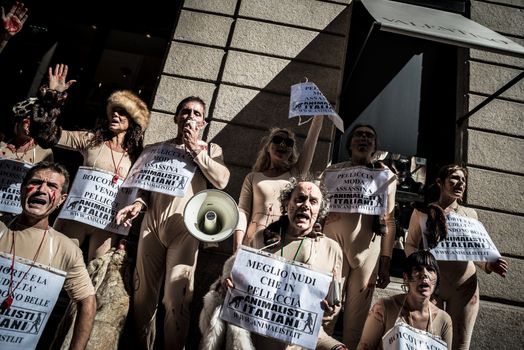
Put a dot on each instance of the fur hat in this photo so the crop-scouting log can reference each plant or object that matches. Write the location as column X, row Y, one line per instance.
column 132, row 104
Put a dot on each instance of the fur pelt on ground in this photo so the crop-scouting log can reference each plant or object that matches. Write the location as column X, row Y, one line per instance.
column 216, row 333
column 111, row 276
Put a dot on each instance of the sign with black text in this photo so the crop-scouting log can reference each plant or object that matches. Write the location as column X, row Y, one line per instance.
column 276, row 298
column 404, row 337
column 467, row 240
column 162, row 168
column 12, row 172
column 358, row 189
column 94, row 199
column 307, row 100
column 36, row 294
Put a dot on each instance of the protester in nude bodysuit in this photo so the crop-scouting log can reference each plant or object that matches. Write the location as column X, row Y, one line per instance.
column 277, row 161
column 112, row 147
column 421, row 279
column 459, row 286
column 364, row 250
column 295, row 237
column 22, row 146
column 166, row 250
column 29, row 236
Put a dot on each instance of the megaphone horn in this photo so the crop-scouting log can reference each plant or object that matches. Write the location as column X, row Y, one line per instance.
column 211, row 216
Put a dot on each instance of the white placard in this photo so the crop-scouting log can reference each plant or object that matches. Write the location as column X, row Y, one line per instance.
column 162, row 168
column 12, row 172
column 307, row 99
column 276, row 298
column 358, row 189
column 403, row 336
column 467, row 240
column 94, row 200
column 23, row 323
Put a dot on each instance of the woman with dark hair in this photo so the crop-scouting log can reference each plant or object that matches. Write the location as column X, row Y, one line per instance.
column 366, row 245
column 421, row 279
column 112, row 146
column 459, row 278
column 277, row 161
column 22, row 146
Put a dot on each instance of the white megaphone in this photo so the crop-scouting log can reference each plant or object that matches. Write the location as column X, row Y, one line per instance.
column 211, row 216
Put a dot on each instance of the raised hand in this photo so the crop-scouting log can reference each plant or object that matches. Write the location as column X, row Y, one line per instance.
column 14, row 21
column 57, row 78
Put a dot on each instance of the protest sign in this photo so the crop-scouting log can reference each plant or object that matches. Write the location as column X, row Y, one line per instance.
column 467, row 240
column 34, row 299
column 12, row 172
column 95, row 198
column 358, row 189
column 403, row 336
column 276, row 298
column 162, row 168
column 307, row 100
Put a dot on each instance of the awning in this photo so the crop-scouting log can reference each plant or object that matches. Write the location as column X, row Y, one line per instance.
column 441, row 26
column 436, row 25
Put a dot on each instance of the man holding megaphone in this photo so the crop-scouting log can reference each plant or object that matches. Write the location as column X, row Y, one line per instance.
column 165, row 246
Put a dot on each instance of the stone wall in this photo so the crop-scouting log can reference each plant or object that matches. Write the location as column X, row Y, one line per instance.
column 241, row 57
column 493, row 152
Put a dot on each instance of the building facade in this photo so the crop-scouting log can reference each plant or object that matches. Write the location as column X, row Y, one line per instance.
column 242, row 56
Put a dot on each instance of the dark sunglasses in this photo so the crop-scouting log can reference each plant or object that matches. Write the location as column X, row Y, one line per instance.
column 277, row 140
column 362, row 133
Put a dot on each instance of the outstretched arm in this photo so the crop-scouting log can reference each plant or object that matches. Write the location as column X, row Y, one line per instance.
column 308, row 150
column 12, row 23
column 128, row 213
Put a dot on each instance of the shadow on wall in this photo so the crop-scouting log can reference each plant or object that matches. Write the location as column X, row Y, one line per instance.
column 254, row 97
column 251, row 113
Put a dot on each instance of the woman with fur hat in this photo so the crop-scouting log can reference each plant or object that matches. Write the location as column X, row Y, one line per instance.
column 112, row 146
column 366, row 256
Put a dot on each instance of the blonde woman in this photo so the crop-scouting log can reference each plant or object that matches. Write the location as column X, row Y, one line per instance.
column 278, row 160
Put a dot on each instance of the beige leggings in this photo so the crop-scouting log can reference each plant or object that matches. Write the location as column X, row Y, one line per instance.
column 359, row 269
column 170, row 250
column 462, row 304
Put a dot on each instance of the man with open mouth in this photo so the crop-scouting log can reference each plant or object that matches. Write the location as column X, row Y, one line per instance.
column 297, row 236
column 30, row 236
